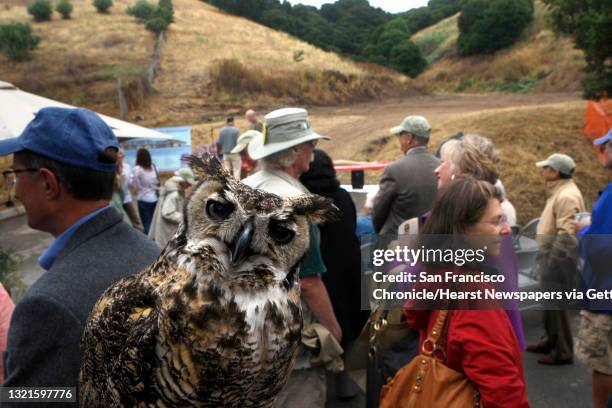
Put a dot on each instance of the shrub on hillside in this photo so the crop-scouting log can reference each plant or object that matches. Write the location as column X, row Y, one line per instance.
column 165, row 10
column 589, row 23
column 16, row 40
column 230, row 75
column 486, row 26
column 103, row 5
column 407, row 58
column 41, row 10
column 156, row 25
column 156, row 18
column 64, row 7
column 142, row 10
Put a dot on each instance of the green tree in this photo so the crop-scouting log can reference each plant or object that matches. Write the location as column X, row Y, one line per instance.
column 355, row 25
column 589, row 24
column 440, row 9
column 156, row 25
column 419, row 18
column 41, row 10
column 103, row 5
column 166, row 10
column 407, row 58
column 279, row 20
column 142, row 10
column 390, row 34
column 64, row 7
column 17, row 41
column 486, row 26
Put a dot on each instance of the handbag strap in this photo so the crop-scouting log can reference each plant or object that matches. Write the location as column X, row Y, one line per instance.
column 436, row 338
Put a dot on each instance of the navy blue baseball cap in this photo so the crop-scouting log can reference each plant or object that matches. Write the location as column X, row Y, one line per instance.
column 73, row 136
column 603, row 139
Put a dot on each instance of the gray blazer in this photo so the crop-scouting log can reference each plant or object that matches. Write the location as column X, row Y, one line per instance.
column 407, row 189
column 47, row 324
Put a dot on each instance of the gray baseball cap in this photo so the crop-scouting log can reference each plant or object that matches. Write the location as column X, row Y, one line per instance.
column 417, row 125
column 558, row 161
column 283, row 129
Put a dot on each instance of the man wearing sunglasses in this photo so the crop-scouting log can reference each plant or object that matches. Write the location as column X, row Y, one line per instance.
column 64, row 166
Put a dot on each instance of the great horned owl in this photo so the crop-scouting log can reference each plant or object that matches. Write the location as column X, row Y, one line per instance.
column 216, row 320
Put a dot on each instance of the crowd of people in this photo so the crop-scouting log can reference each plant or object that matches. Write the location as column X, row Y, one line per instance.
column 66, row 187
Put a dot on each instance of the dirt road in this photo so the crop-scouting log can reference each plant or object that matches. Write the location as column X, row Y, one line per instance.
column 352, row 127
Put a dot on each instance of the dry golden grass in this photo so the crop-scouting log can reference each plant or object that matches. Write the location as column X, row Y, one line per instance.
column 540, row 61
column 78, row 60
column 524, row 136
column 203, row 37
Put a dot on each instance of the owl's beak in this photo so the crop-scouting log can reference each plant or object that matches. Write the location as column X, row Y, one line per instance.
column 242, row 243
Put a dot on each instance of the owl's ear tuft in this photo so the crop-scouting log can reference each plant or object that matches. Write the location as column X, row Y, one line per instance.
column 207, row 167
column 317, row 209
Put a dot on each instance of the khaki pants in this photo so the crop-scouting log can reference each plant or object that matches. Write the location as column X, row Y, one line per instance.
column 233, row 164
column 306, row 388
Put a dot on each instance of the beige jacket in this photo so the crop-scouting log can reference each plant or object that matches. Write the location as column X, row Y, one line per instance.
column 564, row 199
column 168, row 212
column 558, row 253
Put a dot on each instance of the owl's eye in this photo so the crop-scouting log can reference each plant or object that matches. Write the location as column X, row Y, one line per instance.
column 217, row 210
column 281, row 235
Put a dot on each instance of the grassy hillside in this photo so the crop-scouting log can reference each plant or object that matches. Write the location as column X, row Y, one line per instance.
column 219, row 61
column 79, row 61
column 539, row 62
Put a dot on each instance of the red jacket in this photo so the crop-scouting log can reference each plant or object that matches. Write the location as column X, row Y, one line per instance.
column 482, row 345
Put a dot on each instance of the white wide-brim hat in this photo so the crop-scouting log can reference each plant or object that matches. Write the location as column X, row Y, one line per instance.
column 283, row 129
column 244, row 140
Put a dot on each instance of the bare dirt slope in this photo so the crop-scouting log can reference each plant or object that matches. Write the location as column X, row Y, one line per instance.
column 357, row 129
column 524, row 128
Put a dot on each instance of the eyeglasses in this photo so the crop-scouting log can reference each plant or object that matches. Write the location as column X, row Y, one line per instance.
column 10, row 176
column 503, row 220
column 7, row 173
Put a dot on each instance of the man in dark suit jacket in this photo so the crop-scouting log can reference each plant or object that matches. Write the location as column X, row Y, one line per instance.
column 64, row 164
column 408, row 186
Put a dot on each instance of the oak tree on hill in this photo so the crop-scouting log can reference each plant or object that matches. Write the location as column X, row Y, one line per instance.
column 589, row 23
column 486, row 26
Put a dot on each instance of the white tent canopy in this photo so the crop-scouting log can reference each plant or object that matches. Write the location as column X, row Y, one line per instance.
column 17, row 109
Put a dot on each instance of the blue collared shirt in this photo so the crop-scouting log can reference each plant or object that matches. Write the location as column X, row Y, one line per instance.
column 595, row 242
column 47, row 259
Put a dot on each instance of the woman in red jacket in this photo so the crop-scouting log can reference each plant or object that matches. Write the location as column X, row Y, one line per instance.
column 480, row 339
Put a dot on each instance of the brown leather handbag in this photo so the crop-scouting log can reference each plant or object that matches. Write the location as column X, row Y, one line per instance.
column 426, row 382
